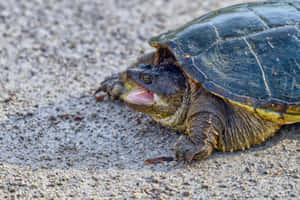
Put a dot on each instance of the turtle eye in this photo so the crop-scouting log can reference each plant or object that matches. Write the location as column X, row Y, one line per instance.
column 147, row 78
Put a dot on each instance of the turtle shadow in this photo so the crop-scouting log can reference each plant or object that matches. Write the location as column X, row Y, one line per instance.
column 81, row 133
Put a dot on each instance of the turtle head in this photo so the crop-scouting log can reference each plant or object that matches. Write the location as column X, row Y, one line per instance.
column 156, row 90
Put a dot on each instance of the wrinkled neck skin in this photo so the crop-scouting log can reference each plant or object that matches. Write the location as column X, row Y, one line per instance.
column 176, row 121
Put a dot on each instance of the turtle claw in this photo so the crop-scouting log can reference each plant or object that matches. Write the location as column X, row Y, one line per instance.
column 187, row 150
column 112, row 86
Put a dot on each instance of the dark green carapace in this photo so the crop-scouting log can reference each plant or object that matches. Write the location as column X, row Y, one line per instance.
column 249, row 53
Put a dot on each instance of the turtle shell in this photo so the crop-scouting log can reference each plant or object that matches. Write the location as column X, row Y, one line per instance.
column 248, row 54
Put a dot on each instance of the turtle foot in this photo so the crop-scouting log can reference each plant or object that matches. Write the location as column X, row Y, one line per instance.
column 187, row 150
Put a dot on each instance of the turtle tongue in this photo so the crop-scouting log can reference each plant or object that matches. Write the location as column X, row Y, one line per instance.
column 140, row 96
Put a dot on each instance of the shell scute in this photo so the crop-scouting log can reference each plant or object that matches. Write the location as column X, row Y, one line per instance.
column 248, row 54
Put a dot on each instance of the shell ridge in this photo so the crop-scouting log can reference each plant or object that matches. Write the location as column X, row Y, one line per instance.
column 262, row 20
column 219, row 38
column 260, row 66
column 293, row 5
column 198, row 69
column 258, row 32
column 249, row 35
column 217, row 32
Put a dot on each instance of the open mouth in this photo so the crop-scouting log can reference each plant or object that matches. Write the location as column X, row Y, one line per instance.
column 140, row 96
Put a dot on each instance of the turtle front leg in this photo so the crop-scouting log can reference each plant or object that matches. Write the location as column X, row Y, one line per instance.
column 205, row 124
column 203, row 130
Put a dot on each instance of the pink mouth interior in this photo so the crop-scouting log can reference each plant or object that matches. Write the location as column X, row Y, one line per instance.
column 141, row 96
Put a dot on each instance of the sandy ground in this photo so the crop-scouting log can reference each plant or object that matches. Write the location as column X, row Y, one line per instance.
column 57, row 142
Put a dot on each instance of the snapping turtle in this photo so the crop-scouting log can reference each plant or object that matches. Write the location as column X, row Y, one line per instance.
column 229, row 79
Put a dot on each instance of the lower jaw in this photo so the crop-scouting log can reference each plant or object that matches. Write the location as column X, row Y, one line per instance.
column 140, row 107
column 156, row 107
column 156, row 112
